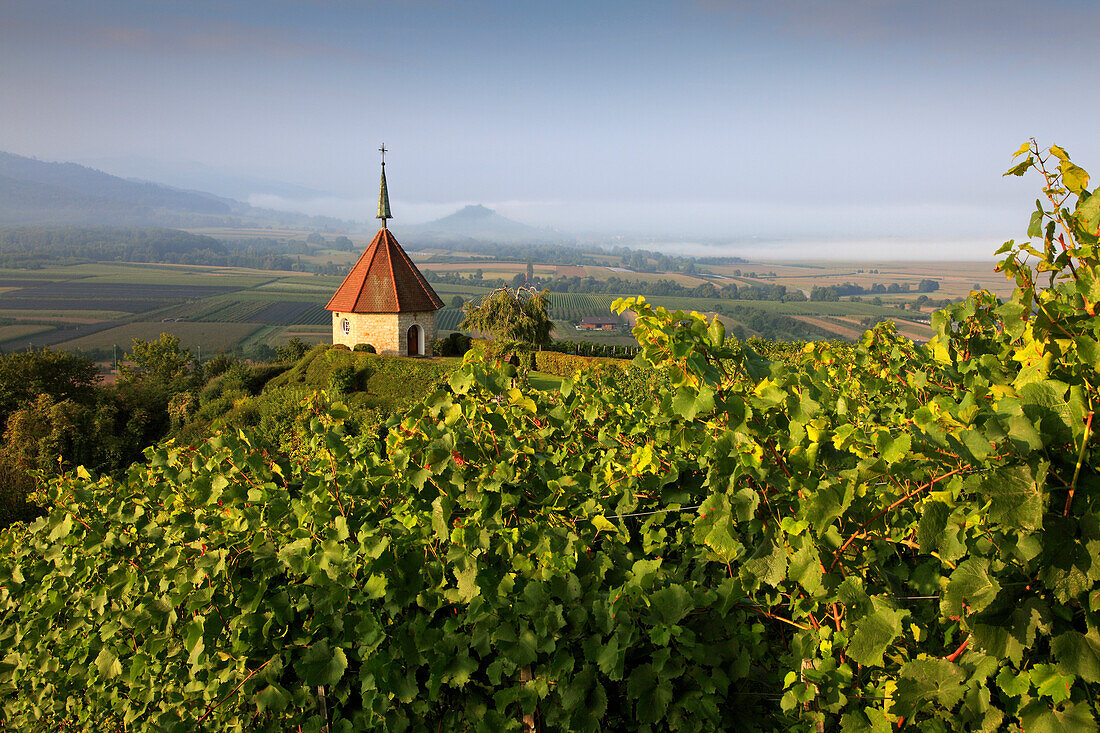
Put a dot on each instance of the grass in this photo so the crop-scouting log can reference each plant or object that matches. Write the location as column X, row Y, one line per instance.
column 388, row 382
column 544, row 382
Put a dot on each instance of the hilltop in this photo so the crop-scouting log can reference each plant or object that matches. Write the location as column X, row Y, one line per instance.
column 36, row 192
column 483, row 224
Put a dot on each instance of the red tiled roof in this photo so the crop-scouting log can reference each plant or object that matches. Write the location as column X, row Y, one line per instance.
column 384, row 280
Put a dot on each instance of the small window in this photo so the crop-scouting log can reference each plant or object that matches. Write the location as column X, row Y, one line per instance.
column 346, row 325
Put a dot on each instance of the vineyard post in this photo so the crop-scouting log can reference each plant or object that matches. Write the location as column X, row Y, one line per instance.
column 529, row 718
column 324, row 707
column 809, row 704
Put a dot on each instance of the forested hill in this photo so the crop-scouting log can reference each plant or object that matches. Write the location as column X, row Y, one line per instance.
column 26, row 246
column 35, row 192
column 478, row 224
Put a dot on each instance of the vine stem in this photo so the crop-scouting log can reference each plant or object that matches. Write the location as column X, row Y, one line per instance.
column 214, row 707
column 899, row 502
column 958, row 652
column 1080, row 460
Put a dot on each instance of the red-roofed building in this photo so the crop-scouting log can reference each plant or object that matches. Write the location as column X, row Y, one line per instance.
column 385, row 301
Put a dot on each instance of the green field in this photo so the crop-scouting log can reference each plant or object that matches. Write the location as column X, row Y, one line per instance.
column 212, row 336
column 96, row 304
column 22, row 330
column 807, row 308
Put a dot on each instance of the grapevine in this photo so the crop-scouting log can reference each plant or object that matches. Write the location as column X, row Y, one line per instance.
column 864, row 537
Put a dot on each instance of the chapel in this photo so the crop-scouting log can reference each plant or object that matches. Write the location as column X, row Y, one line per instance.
column 385, row 300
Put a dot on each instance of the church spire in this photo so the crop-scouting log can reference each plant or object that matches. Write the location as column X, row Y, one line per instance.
column 383, row 193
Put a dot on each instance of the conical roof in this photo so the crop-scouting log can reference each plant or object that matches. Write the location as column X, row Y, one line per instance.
column 383, row 198
column 384, row 280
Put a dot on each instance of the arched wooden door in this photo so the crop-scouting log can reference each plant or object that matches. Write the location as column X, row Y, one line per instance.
column 413, row 340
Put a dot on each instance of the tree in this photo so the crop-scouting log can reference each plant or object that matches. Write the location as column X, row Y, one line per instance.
column 292, row 350
column 47, row 432
column 519, row 314
column 826, row 294
column 59, row 374
column 162, row 362
column 457, row 301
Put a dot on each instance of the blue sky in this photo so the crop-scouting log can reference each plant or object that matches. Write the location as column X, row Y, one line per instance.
column 841, row 127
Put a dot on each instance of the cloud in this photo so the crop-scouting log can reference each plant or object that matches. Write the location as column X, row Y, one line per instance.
column 879, row 249
column 355, row 208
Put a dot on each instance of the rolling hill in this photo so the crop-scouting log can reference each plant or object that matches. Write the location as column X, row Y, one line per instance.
column 481, row 224
column 35, row 192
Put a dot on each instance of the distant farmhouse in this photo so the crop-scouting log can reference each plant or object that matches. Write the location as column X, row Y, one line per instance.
column 598, row 323
column 385, row 301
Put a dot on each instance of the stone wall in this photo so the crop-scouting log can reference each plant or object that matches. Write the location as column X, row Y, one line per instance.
column 387, row 332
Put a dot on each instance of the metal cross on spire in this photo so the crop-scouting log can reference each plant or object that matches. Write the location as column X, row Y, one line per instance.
column 383, row 192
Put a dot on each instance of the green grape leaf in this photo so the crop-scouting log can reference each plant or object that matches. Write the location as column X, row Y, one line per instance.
column 805, row 567
column 1074, row 178
column 970, row 589
column 714, row 528
column 1017, row 495
column 467, row 583
column 1078, row 654
column 869, row 720
column 897, row 448
column 1001, row 642
column 1087, row 214
column 928, row 681
column 273, row 697
column 1070, row 548
column 939, row 531
column 717, row 332
column 1021, row 168
column 192, row 639
column 601, row 523
column 1087, row 347
column 1038, row 717
column 1050, row 683
column 689, row 402
column 321, row 665
column 768, row 564
column 1013, row 684
column 873, row 634
column 107, row 664
column 671, row 603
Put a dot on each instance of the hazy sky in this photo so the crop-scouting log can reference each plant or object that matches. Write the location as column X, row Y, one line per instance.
column 881, row 120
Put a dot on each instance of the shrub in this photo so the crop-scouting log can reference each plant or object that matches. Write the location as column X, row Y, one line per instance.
column 293, row 350
column 16, row 486
column 566, row 365
column 217, row 364
column 369, row 348
column 342, row 379
column 455, row 344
